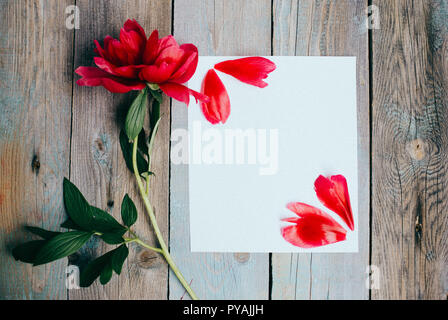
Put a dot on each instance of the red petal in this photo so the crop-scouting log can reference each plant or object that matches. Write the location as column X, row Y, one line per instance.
column 172, row 54
column 333, row 193
column 92, row 76
column 157, row 74
column 133, row 25
column 218, row 109
column 251, row 70
column 188, row 66
column 313, row 229
column 133, row 39
column 152, row 48
column 99, row 50
column 166, row 42
column 181, row 92
column 130, row 72
column 117, row 53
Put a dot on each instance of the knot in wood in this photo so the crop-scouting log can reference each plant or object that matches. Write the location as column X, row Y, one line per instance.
column 417, row 149
column 147, row 259
column 241, row 257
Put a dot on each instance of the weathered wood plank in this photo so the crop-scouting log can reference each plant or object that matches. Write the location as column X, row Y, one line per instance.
column 97, row 165
column 217, row 28
column 35, row 103
column 328, row 28
column 410, row 150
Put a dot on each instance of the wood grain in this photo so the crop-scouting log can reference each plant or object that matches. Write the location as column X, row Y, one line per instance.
column 35, row 103
column 327, row 28
column 409, row 144
column 217, row 28
column 97, row 165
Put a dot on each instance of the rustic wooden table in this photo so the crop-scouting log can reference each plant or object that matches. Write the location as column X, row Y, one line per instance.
column 50, row 128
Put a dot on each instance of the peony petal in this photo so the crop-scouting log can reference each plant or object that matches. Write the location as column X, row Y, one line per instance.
column 181, row 92
column 99, row 50
column 171, row 55
column 166, row 42
column 157, row 74
column 218, row 109
column 152, row 48
column 130, row 72
column 314, row 228
column 117, row 53
column 188, row 65
column 251, row 70
column 333, row 193
column 133, row 25
column 92, row 76
column 133, row 40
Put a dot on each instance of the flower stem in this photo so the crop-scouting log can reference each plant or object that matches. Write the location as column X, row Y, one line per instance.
column 152, row 218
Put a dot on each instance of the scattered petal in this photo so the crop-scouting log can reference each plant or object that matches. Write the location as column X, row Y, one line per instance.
column 313, row 228
column 218, row 108
column 251, row 70
column 333, row 193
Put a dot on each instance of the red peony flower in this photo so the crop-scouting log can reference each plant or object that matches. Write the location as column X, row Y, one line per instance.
column 134, row 61
column 313, row 227
column 333, row 193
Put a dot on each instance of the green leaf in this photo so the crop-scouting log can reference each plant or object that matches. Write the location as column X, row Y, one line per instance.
column 69, row 224
column 26, row 252
column 155, row 115
column 118, row 257
column 112, row 238
column 45, row 234
column 142, row 143
column 61, row 246
column 77, row 206
column 94, row 269
column 128, row 211
column 105, row 223
column 136, row 115
column 106, row 274
column 157, row 95
column 126, row 149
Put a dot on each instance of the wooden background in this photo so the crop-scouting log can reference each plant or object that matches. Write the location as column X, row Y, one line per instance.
column 51, row 128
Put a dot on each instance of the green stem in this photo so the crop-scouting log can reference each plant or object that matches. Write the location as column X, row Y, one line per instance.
column 152, row 218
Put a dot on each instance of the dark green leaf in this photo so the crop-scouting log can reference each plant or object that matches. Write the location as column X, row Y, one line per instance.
column 76, row 205
column 112, row 238
column 155, row 114
column 26, row 252
column 45, row 234
column 105, row 223
column 106, row 274
column 136, row 115
column 69, row 224
column 126, row 149
column 61, row 246
column 128, row 211
column 157, row 95
column 93, row 270
column 118, row 257
column 142, row 143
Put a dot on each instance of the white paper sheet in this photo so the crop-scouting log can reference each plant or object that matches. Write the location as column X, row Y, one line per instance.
column 311, row 104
